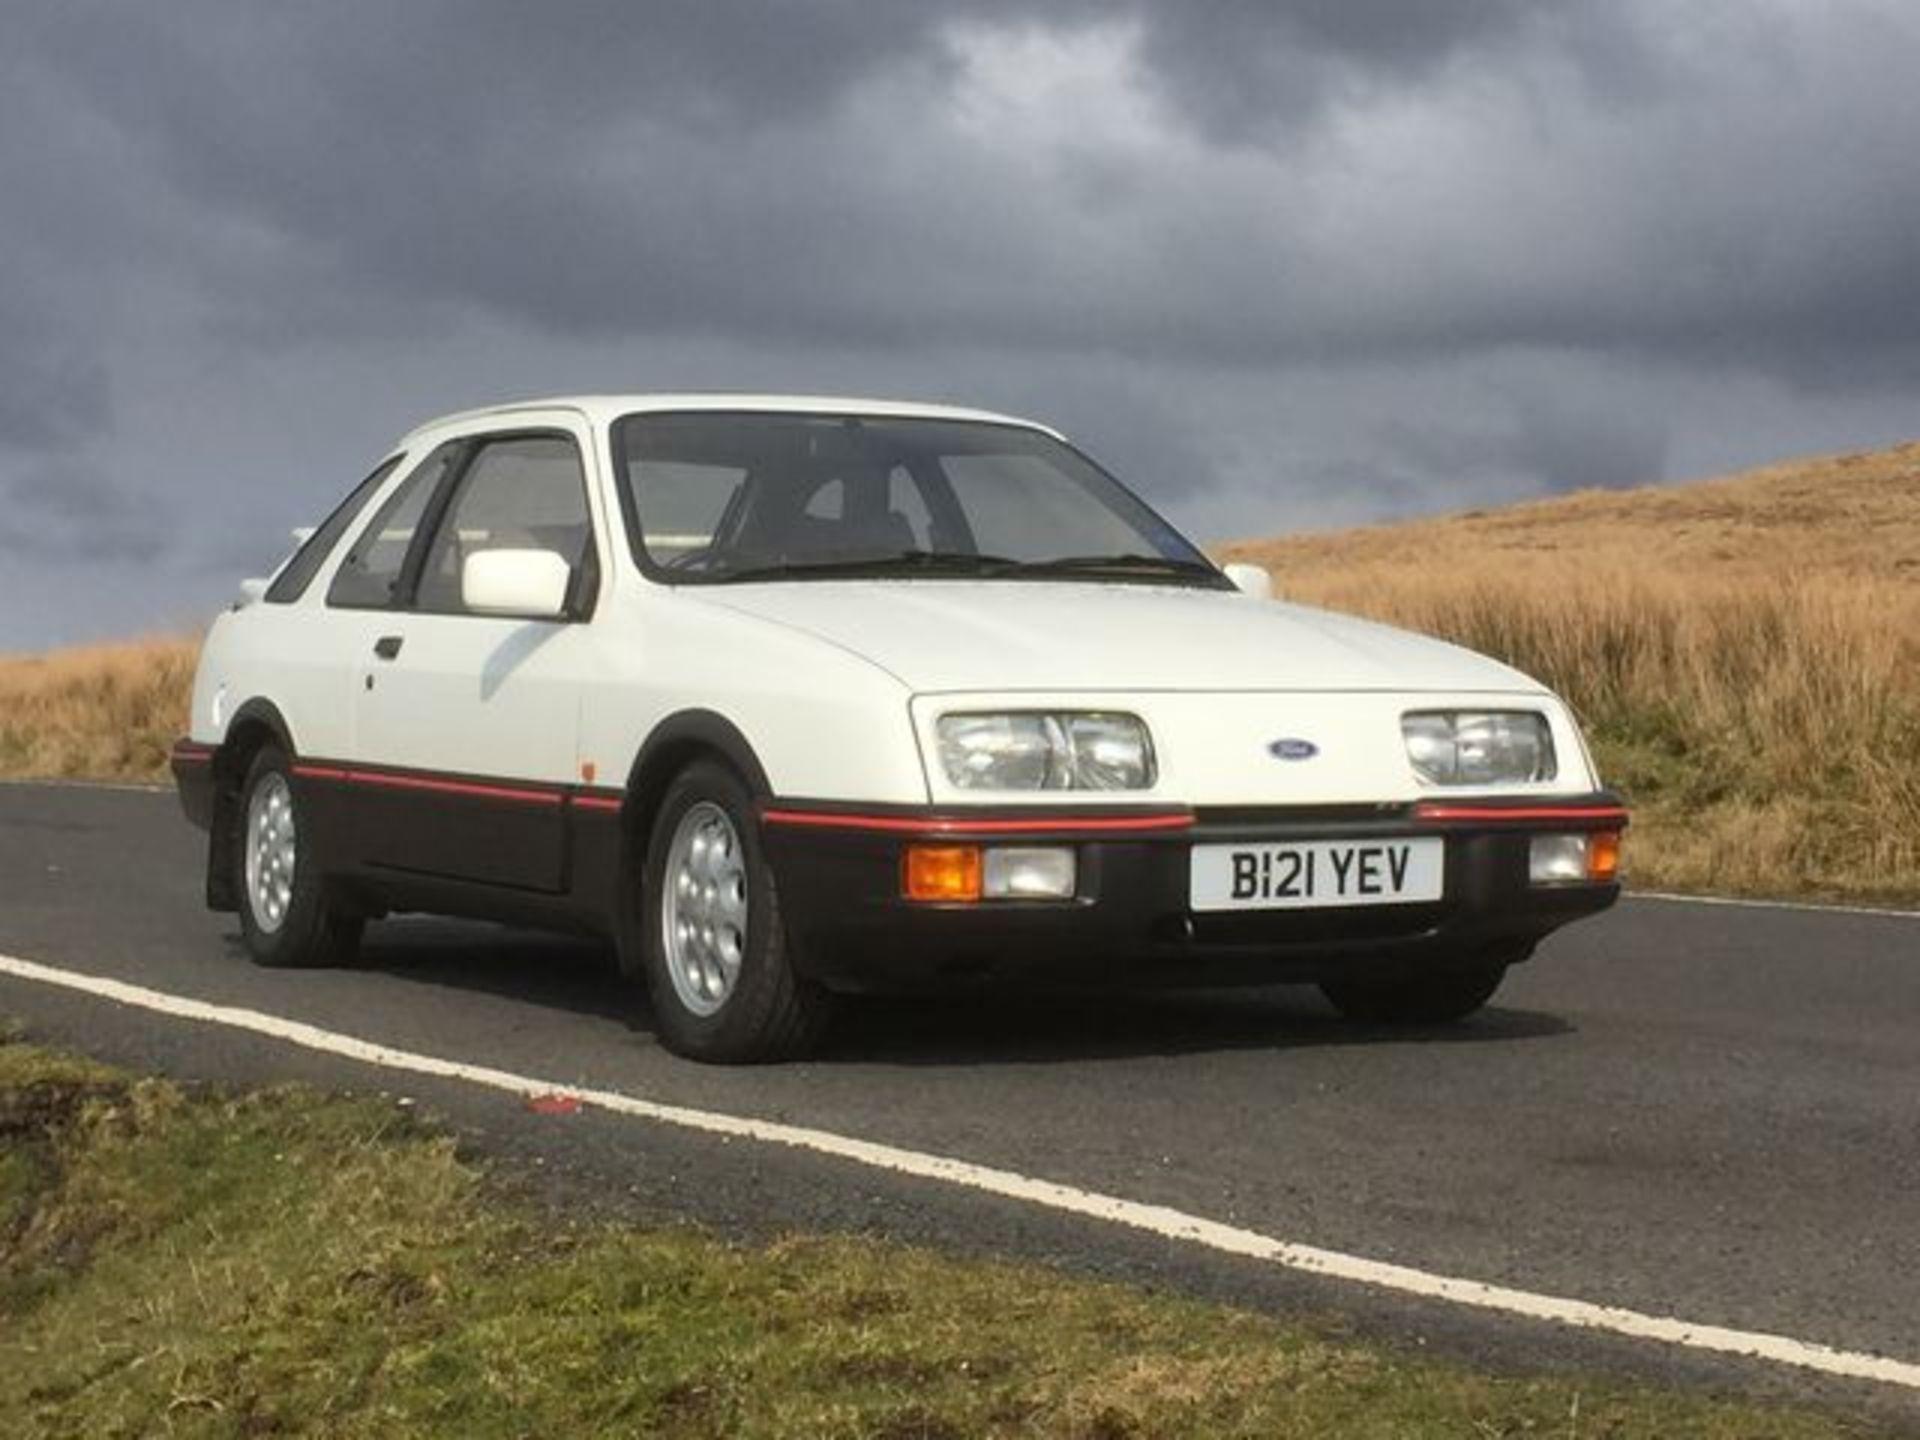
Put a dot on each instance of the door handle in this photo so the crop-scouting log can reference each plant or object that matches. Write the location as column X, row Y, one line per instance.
column 387, row 647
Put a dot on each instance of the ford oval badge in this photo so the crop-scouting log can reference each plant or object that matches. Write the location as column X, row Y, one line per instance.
column 1293, row 749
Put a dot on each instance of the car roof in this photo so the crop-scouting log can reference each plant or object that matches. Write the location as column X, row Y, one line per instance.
column 604, row 409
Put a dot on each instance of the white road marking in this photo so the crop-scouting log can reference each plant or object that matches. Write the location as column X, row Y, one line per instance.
column 1155, row 1219
column 1809, row 907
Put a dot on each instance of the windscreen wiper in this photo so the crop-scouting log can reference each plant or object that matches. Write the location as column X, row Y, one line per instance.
column 898, row 562
column 1131, row 566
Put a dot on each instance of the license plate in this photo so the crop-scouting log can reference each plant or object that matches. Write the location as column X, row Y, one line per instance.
column 1312, row 874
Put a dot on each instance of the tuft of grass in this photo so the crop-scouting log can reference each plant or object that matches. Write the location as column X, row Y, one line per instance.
column 105, row 712
column 285, row 1262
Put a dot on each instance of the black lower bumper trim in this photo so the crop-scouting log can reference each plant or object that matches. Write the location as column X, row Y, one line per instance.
column 1131, row 922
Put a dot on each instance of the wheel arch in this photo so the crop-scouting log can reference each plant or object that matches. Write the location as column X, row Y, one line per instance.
column 675, row 742
column 672, row 745
column 254, row 724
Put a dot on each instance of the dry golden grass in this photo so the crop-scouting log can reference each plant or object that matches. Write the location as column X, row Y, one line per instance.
column 104, row 712
column 1852, row 517
column 1744, row 651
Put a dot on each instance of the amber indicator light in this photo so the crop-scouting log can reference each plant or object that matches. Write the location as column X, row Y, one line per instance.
column 941, row 872
column 1603, row 855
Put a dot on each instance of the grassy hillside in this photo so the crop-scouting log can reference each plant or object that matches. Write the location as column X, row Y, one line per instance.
column 1745, row 652
column 1848, row 517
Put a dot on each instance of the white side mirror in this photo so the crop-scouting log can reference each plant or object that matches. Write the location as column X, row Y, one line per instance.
column 530, row 584
column 1251, row 580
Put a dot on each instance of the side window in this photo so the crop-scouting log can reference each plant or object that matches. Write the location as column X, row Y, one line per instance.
column 367, row 577
column 524, row 493
column 292, row 581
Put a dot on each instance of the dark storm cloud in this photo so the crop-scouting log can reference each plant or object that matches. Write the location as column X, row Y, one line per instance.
column 54, row 399
column 1248, row 70
column 785, row 171
column 1349, row 257
column 51, row 395
column 1549, row 441
column 58, row 509
column 681, row 172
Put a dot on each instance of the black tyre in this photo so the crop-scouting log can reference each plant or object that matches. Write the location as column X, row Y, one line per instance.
column 286, row 915
column 714, row 948
column 1435, row 999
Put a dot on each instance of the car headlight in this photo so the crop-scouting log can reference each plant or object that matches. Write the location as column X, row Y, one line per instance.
column 1479, row 747
column 1027, row 750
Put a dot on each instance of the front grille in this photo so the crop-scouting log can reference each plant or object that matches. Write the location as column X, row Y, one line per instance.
column 1317, row 822
column 1284, row 928
column 1295, row 815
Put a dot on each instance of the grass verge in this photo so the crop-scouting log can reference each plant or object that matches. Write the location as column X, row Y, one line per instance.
column 285, row 1262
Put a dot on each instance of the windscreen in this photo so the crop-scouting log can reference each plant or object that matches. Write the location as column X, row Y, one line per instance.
column 716, row 496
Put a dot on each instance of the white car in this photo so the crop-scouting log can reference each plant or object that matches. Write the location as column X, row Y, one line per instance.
column 790, row 697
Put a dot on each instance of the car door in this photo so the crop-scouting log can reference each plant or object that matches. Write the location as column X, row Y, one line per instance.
column 466, row 725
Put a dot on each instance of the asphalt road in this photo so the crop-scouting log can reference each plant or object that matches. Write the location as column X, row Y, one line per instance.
column 1708, row 1112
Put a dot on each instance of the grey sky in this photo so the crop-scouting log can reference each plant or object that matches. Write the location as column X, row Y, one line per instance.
column 1281, row 265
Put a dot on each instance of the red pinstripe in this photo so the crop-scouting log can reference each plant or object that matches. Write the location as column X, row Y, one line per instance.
column 1521, row 813
column 909, row 825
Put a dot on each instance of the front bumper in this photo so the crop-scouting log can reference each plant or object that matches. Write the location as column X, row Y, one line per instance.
column 839, row 878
